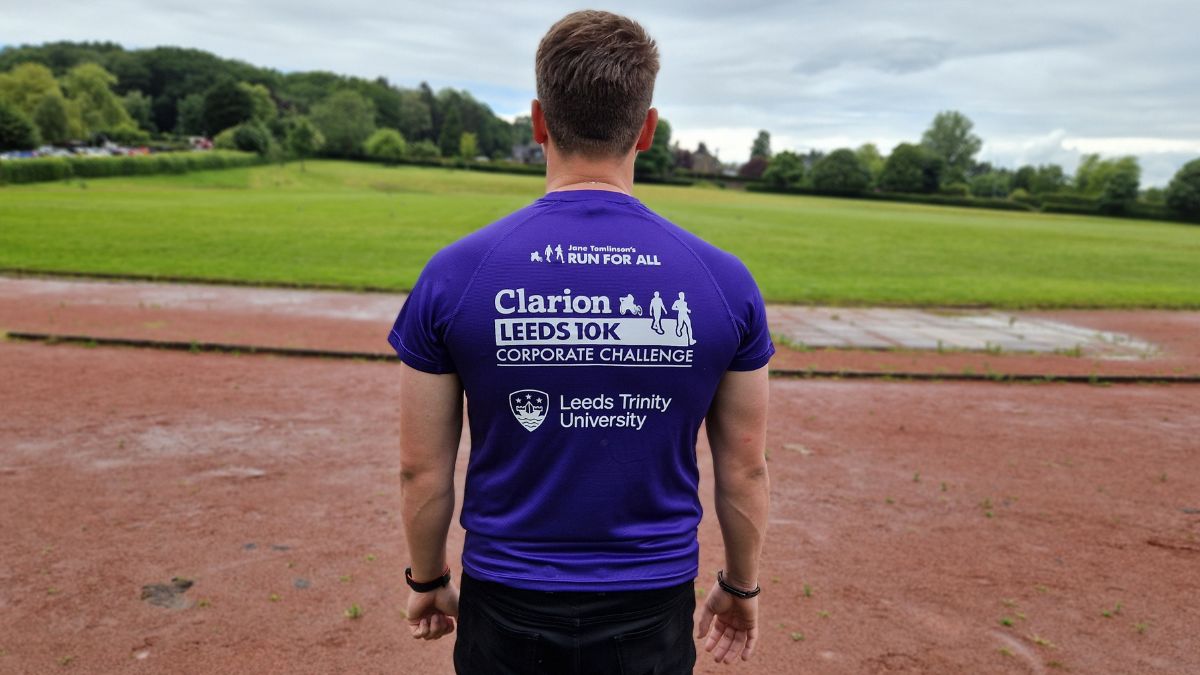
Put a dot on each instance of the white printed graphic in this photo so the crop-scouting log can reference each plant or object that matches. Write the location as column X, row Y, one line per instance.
column 684, row 322
column 529, row 407
column 590, row 254
column 570, row 328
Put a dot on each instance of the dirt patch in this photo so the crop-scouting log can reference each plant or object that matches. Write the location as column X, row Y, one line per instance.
column 915, row 527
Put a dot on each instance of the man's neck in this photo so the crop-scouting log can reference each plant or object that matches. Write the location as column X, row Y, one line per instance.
column 575, row 172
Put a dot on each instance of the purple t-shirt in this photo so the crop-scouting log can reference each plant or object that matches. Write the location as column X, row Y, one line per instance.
column 590, row 335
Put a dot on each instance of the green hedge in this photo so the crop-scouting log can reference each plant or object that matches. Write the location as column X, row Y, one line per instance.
column 939, row 200
column 42, row 169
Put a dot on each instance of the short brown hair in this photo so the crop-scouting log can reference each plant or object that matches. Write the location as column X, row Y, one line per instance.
column 595, row 80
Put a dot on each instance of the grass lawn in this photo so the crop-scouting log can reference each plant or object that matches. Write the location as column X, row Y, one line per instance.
column 360, row 225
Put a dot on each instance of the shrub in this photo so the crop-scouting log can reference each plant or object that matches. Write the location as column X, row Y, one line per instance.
column 1069, row 202
column 387, row 145
column 424, row 151
column 956, row 189
column 252, row 137
column 39, row 170
column 840, row 172
column 224, row 140
column 127, row 134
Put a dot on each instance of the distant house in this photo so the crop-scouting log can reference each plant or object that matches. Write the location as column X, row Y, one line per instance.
column 528, row 153
column 704, row 162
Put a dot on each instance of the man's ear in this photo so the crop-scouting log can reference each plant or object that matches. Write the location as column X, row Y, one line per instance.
column 646, row 138
column 539, row 122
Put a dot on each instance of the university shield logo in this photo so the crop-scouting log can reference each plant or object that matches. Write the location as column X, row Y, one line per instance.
column 529, row 406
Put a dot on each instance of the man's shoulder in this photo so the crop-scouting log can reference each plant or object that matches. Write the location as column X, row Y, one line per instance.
column 719, row 262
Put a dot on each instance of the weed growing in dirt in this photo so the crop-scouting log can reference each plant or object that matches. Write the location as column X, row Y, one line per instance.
column 1040, row 588
column 798, row 637
column 354, row 612
column 986, row 505
column 1110, row 613
column 1006, row 651
column 823, row 614
column 945, row 487
column 889, row 501
column 1141, row 627
column 53, row 591
column 274, row 597
column 1006, row 621
column 65, row 660
column 370, row 557
column 917, row 477
column 203, row 602
column 1040, row 641
column 808, row 591
column 1057, row 665
column 1008, row 602
column 345, row 578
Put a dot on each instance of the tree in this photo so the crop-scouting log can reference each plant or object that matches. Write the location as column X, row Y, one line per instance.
column 226, row 105
column 657, row 161
column 387, row 145
column 753, row 169
column 785, row 170
column 17, row 131
column 1120, row 192
column 25, row 85
column 346, row 119
column 303, row 139
column 1183, row 192
column 90, row 87
column 190, row 117
column 840, row 172
column 127, row 134
column 761, row 146
column 1023, row 178
column 869, row 155
column 1048, row 178
column 468, row 145
column 1094, row 173
column 262, row 106
column 139, row 107
column 53, row 119
column 996, row 183
column 451, row 132
column 949, row 138
column 910, row 168
column 522, row 130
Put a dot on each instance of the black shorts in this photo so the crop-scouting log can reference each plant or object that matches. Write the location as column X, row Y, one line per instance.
column 504, row 630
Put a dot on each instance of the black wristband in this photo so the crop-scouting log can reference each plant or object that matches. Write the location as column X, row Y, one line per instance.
column 733, row 590
column 427, row 586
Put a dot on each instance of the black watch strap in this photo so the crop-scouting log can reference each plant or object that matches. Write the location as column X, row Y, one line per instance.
column 733, row 590
column 426, row 586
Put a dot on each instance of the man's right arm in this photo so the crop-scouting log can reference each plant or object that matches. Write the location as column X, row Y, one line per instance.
column 737, row 429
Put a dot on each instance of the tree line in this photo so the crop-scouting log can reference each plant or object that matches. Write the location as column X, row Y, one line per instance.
column 943, row 163
column 87, row 92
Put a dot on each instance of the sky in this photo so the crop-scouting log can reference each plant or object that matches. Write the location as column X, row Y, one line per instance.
column 1044, row 81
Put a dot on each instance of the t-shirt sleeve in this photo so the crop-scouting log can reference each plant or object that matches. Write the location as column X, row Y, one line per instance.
column 419, row 334
column 750, row 315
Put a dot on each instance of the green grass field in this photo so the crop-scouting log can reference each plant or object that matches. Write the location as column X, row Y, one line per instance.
column 358, row 225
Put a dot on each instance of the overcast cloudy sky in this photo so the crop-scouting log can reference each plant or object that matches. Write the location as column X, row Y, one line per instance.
column 1043, row 80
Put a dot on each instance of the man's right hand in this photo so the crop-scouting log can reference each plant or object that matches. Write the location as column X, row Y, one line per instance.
column 730, row 624
column 431, row 615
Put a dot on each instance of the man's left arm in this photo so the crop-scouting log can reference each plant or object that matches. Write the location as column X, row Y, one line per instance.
column 431, row 408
